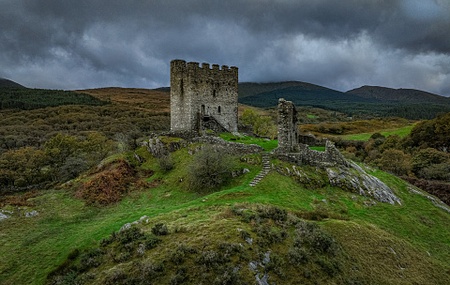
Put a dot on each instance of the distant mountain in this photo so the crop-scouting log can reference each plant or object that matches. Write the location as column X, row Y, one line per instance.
column 367, row 101
column 301, row 93
column 9, row 83
column 249, row 88
column 397, row 95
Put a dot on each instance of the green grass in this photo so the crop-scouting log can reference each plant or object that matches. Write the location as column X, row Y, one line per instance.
column 267, row 144
column 416, row 231
column 318, row 148
column 401, row 132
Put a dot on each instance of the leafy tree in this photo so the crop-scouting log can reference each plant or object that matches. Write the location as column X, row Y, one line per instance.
column 210, row 169
column 433, row 133
column 24, row 166
column 262, row 126
column 391, row 142
column 439, row 171
column 395, row 161
column 430, row 163
column 426, row 157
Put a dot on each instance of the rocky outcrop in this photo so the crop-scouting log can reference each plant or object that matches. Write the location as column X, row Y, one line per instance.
column 354, row 179
column 3, row 216
column 341, row 172
column 156, row 147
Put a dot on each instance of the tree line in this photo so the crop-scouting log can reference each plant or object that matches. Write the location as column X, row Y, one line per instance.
column 28, row 99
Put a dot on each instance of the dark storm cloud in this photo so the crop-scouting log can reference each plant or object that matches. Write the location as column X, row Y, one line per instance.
column 339, row 44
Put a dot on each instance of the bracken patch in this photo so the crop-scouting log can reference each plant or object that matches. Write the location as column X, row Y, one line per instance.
column 108, row 185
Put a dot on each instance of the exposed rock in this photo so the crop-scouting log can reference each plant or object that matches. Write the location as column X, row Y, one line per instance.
column 156, row 147
column 348, row 176
column 125, row 227
column 262, row 280
column 141, row 249
column 438, row 203
column 266, row 258
column 31, row 214
column 3, row 216
column 354, row 179
column 253, row 265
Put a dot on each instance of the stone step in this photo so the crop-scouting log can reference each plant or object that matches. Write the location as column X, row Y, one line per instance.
column 266, row 167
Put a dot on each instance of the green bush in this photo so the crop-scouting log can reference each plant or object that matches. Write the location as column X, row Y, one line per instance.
column 211, row 259
column 439, row 171
column 298, row 255
column 160, row 229
column 180, row 277
column 165, row 163
column 274, row 213
column 210, row 169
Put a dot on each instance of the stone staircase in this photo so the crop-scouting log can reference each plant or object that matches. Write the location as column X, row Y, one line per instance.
column 265, row 169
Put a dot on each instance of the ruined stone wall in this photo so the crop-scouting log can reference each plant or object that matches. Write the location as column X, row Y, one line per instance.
column 197, row 91
column 287, row 126
column 304, row 155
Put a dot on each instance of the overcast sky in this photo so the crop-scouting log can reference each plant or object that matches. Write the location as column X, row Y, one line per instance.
column 340, row 44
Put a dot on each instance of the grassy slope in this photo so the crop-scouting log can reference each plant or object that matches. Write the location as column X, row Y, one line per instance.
column 361, row 129
column 401, row 132
column 416, row 231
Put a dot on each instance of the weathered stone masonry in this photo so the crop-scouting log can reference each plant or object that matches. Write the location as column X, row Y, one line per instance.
column 201, row 96
column 291, row 149
column 287, row 126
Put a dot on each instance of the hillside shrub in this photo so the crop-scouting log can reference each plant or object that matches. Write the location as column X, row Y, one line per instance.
column 395, row 161
column 439, row 171
column 165, row 163
column 426, row 157
column 432, row 133
column 210, row 169
column 160, row 229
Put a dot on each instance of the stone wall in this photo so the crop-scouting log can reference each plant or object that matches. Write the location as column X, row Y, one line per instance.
column 304, row 155
column 196, row 92
column 229, row 147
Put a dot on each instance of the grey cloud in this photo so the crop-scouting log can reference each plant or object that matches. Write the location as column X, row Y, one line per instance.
column 339, row 44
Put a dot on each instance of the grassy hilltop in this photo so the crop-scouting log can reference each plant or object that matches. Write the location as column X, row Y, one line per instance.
column 133, row 218
column 311, row 233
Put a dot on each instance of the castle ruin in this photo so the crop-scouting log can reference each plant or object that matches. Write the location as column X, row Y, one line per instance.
column 287, row 126
column 203, row 97
column 291, row 146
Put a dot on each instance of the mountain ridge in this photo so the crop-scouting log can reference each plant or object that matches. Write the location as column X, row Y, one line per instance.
column 9, row 83
column 392, row 94
column 365, row 101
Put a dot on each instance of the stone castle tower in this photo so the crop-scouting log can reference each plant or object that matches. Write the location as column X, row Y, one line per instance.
column 202, row 96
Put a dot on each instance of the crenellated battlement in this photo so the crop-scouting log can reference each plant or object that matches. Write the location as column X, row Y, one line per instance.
column 202, row 90
column 195, row 66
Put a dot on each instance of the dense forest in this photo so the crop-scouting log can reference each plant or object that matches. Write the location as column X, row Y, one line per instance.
column 27, row 99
